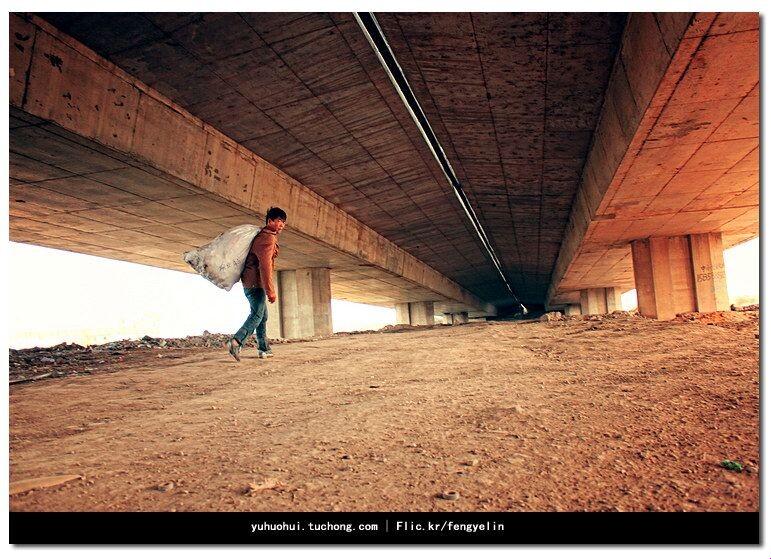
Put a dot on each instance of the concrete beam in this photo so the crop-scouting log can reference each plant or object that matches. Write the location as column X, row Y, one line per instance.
column 482, row 314
column 442, row 307
column 679, row 274
column 58, row 80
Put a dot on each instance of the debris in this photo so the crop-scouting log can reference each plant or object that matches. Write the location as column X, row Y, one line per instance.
column 392, row 328
column 41, row 483
column 449, row 495
column 552, row 316
column 31, row 364
column 716, row 318
column 268, row 483
column 625, row 314
column 166, row 487
column 30, row 379
column 745, row 308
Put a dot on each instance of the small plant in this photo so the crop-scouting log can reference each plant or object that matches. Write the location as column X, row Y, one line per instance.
column 731, row 465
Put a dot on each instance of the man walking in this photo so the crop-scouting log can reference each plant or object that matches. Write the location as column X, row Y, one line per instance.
column 257, row 279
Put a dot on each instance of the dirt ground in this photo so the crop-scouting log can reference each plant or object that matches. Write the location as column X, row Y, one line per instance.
column 621, row 413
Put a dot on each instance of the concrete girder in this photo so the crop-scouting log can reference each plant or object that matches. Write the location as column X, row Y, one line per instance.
column 675, row 151
column 120, row 132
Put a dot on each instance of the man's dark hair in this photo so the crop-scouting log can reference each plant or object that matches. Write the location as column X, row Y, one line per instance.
column 275, row 213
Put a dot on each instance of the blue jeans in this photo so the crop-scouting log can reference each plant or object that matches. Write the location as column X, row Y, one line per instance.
column 257, row 319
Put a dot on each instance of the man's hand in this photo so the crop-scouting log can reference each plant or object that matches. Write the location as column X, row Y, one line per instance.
column 271, row 298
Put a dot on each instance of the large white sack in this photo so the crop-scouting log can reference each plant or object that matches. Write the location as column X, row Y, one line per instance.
column 222, row 260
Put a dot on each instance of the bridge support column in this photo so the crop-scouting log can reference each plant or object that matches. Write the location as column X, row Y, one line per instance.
column 274, row 329
column 460, row 318
column 402, row 313
column 305, row 302
column 613, row 299
column 420, row 313
column 600, row 300
column 679, row 274
column 572, row 310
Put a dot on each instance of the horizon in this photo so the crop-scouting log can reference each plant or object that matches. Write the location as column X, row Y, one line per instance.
column 111, row 300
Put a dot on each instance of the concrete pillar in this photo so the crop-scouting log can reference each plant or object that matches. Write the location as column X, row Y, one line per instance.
column 572, row 310
column 460, row 318
column 613, row 299
column 600, row 300
column 402, row 313
column 709, row 272
column 679, row 274
column 274, row 313
column 306, row 303
column 422, row 313
column 593, row 301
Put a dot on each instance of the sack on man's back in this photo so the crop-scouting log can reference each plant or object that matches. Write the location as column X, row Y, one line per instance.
column 222, row 260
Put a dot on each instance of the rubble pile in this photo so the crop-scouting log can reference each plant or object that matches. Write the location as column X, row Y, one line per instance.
column 719, row 318
column 67, row 359
column 552, row 316
column 556, row 316
column 402, row 328
column 625, row 314
column 746, row 308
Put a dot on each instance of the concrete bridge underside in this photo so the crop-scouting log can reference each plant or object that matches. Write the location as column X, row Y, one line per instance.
column 674, row 165
column 581, row 140
column 103, row 165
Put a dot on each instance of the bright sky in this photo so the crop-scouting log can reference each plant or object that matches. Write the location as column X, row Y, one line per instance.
column 64, row 296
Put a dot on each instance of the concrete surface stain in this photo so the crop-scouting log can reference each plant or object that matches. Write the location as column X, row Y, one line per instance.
column 55, row 61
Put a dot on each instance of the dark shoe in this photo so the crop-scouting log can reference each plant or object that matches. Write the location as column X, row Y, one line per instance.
column 264, row 354
column 234, row 348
